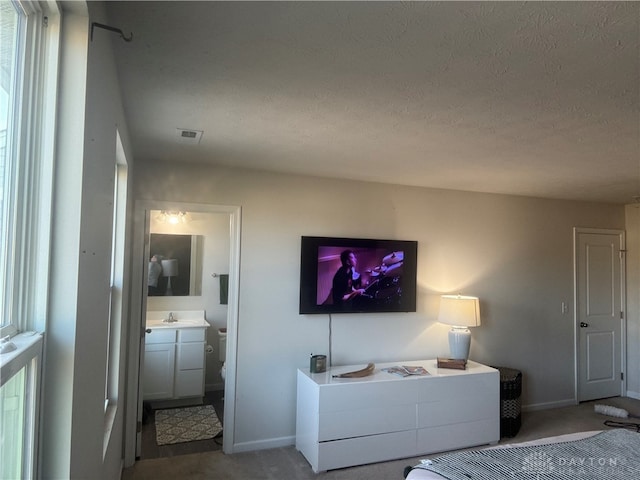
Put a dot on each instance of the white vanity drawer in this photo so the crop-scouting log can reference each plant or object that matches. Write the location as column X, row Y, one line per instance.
column 160, row 335
column 191, row 335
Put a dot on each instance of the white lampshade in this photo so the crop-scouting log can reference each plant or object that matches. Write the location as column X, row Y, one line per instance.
column 459, row 312
column 170, row 267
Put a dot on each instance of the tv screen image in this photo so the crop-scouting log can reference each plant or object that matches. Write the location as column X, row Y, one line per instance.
column 351, row 275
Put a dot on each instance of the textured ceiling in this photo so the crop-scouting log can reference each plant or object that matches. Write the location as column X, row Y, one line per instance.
column 537, row 99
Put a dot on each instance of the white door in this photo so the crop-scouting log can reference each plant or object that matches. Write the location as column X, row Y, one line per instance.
column 599, row 312
column 141, row 338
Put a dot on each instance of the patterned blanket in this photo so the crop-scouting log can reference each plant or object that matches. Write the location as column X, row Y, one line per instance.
column 612, row 455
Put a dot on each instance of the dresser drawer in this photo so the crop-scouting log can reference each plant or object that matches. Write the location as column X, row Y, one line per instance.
column 365, row 421
column 454, row 410
column 358, row 451
column 467, row 387
column 460, row 435
column 353, row 396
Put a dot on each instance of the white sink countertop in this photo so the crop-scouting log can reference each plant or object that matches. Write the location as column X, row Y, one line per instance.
column 182, row 319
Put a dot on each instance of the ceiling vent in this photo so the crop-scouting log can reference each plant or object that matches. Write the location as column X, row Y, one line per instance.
column 192, row 137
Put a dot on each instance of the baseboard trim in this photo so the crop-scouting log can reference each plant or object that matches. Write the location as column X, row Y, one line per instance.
column 213, row 387
column 548, row 405
column 264, row 444
column 635, row 395
column 566, row 403
column 174, row 403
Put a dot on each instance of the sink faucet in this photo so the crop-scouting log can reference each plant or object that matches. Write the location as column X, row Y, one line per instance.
column 171, row 318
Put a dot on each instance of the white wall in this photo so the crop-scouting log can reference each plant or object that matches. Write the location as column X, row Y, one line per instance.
column 61, row 331
column 74, row 444
column 515, row 253
column 214, row 228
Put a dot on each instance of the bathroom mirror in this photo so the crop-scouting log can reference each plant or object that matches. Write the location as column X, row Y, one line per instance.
column 175, row 265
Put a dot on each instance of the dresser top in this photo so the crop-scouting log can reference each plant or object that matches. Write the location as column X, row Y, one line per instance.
column 327, row 378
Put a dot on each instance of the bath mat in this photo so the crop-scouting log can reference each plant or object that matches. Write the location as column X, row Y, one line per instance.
column 178, row 425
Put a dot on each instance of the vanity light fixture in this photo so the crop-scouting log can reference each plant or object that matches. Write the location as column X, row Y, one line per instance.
column 460, row 312
column 173, row 217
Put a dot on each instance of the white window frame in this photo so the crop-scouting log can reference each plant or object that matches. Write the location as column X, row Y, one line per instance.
column 114, row 343
column 32, row 145
column 27, row 356
column 25, row 267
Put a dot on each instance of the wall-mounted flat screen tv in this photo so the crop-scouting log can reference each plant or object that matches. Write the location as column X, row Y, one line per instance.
column 355, row 275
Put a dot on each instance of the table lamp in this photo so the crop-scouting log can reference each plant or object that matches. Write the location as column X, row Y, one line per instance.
column 460, row 312
column 169, row 269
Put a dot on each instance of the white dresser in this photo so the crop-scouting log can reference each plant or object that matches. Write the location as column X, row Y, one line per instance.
column 345, row 422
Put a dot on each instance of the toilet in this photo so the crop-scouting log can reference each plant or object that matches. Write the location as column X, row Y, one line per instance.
column 222, row 351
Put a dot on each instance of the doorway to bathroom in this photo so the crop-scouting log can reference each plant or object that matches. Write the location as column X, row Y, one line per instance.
column 212, row 287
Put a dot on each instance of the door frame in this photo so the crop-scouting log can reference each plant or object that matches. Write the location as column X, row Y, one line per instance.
column 623, row 305
column 137, row 310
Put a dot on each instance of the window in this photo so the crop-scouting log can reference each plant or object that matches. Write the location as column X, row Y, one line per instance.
column 12, row 415
column 28, row 74
column 18, row 412
column 117, row 272
column 114, row 344
column 10, row 29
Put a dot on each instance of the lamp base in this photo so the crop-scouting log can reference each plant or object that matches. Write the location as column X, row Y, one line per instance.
column 459, row 342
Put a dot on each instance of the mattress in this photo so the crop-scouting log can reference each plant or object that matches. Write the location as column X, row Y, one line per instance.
column 421, row 474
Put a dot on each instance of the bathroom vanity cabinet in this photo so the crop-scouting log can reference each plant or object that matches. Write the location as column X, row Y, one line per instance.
column 174, row 362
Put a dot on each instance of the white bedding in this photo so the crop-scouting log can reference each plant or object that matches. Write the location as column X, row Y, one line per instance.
column 419, row 474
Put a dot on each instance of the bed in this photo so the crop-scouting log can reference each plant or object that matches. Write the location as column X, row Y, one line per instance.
column 610, row 454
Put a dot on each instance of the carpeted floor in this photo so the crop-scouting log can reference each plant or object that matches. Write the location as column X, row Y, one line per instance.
column 287, row 463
